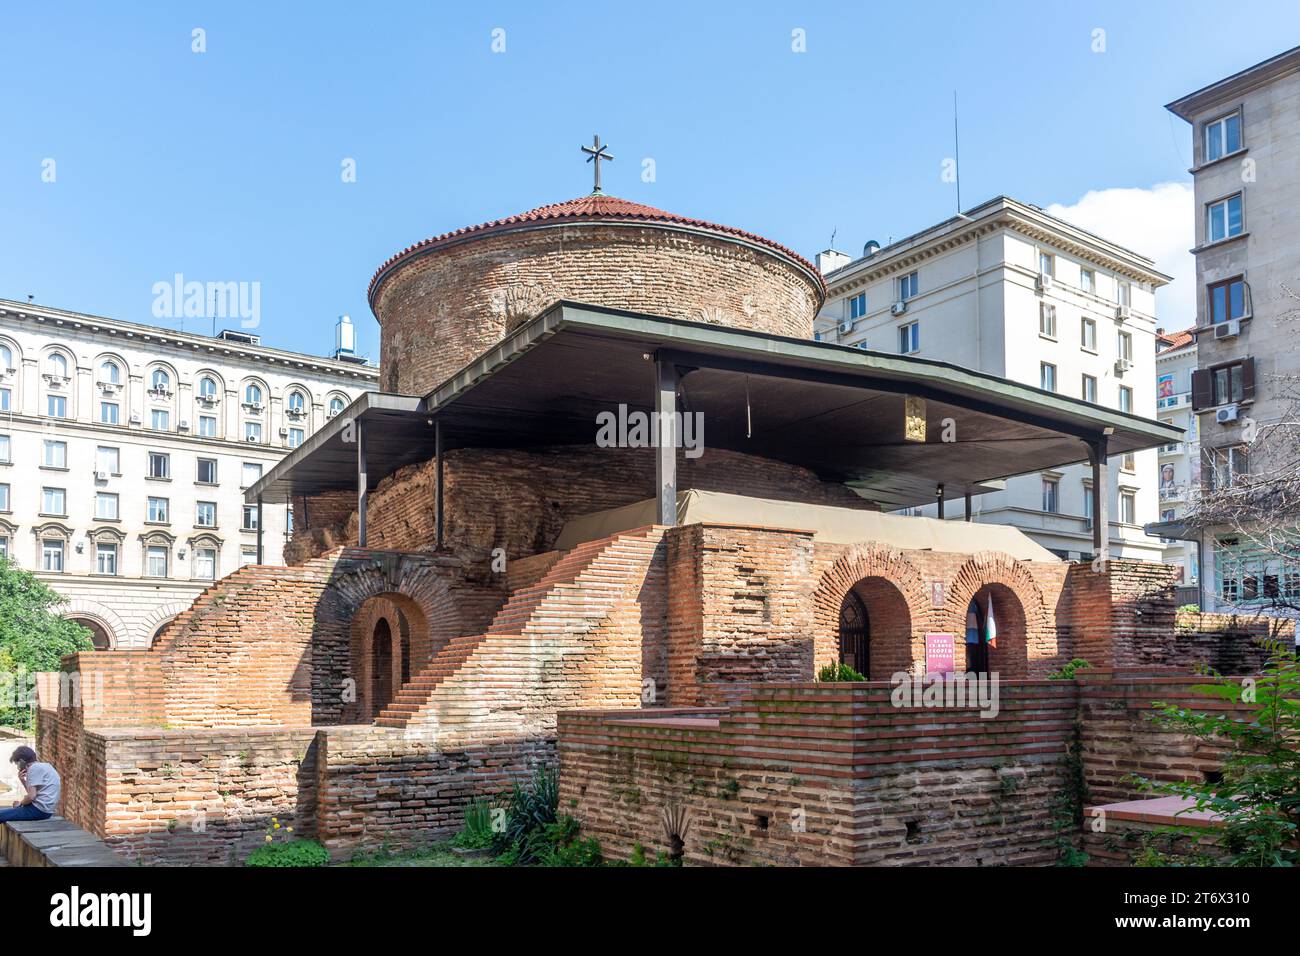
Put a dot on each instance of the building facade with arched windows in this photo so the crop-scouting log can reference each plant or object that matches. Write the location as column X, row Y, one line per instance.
column 125, row 451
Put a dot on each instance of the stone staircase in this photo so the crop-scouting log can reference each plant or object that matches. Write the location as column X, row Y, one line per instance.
column 477, row 677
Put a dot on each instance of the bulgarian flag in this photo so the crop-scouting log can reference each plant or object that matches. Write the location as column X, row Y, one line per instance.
column 972, row 623
column 991, row 625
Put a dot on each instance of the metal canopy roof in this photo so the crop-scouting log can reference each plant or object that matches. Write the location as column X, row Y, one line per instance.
column 836, row 410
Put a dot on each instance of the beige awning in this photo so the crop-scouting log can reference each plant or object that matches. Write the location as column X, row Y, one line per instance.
column 828, row 524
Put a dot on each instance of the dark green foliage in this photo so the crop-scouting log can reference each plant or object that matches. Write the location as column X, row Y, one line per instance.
column 838, row 672
column 32, row 639
column 531, row 810
column 289, row 853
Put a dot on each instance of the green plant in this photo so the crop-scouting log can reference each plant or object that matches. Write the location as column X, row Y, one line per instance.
column 33, row 638
column 1066, row 806
column 1257, row 796
column 559, row 844
column 531, row 809
column 1190, row 608
column 291, row 852
column 477, row 833
column 838, row 672
column 1069, row 670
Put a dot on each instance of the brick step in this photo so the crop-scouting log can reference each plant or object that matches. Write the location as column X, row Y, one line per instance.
column 580, row 590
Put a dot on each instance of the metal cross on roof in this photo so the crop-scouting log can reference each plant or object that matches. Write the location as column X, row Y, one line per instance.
column 598, row 152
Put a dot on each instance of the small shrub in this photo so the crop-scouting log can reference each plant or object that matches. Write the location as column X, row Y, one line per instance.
column 531, row 810
column 290, row 853
column 559, row 844
column 477, row 833
column 1190, row 608
column 838, row 672
column 1069, row 670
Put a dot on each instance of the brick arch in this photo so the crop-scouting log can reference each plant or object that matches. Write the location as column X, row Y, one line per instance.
column 1028, row 634
column 865, row 561
column 411, row 592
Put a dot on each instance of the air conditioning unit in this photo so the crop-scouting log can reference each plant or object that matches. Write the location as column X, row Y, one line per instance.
column 108, row 388
column 1122, row 365
column 251, row 438
column 1226, row 414
column 1043, row 282
column 183, row 425
column 1122, row 313
column 101, row 476
column 846, row 327
column 1227, row 330
column 898, row 308
column 284, row 433
column 135, row 419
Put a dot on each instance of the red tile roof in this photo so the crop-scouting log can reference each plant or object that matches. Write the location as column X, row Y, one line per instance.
column 1177, row 340
column 593, row 208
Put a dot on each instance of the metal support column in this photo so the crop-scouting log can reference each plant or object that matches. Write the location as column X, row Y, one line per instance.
column 968, row 497
column 666, row 446
column 261, row 524
column 362, row 482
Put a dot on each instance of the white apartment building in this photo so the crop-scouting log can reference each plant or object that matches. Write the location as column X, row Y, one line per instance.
column 1007, row 289
column 125, row 450
column 1179, row 462
column 1246, row 174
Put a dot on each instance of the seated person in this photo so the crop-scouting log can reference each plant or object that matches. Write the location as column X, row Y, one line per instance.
column 41, row 781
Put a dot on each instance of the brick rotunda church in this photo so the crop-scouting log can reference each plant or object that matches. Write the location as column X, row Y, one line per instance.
column 469, row 561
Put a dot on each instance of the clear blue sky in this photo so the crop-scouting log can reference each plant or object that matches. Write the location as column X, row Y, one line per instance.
column 225, row 165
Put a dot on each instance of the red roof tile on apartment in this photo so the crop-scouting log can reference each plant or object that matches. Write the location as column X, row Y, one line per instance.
column 1176, row 340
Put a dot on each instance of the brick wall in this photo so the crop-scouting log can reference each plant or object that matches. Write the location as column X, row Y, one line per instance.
column 817, row 774
column 379, row 787
column 520, row 500
column 440, row 311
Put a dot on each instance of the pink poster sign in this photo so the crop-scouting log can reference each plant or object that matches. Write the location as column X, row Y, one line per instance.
column 939, row 655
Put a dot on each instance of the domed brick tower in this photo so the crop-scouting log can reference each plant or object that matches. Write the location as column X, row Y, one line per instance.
column 445, row 301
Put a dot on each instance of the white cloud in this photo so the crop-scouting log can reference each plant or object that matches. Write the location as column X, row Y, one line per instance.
column 1158, row 223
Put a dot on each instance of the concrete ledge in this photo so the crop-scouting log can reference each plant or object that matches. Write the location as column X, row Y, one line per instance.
column 53, row 842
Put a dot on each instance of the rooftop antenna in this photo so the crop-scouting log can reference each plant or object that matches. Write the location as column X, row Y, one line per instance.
column 956, row 148
column 833, row 232
column 29, row 298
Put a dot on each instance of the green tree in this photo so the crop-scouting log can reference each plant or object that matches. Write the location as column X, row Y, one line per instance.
column 32, row 638
column 1258, row 796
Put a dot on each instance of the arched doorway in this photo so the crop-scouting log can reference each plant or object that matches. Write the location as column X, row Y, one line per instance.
column 875, row 629
column 855, row 629
column 995, row 632
column 381, row 665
